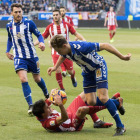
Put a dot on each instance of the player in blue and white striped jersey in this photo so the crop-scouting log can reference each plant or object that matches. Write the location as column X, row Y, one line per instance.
column 94, row 71
column 24, row 53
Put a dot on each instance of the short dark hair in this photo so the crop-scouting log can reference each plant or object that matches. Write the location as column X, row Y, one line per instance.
column 15, row 5
column 63, row 7
column 38, row 108
column 57, row 10
column 58, row 41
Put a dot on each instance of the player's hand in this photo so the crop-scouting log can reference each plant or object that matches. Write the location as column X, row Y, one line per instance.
column 127, row 57
column 50, row 70
column 57, row 100
column 10, row 56
column 53, row 90
column 42, row 46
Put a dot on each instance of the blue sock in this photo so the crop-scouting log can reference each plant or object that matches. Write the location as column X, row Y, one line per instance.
column 98, row 102
column 114, row 113
column 42, row 85
column 115, row 102
column 27, row 93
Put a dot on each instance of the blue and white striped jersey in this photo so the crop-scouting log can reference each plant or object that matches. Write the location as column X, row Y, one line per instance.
column 21, row 36
column 85, row 55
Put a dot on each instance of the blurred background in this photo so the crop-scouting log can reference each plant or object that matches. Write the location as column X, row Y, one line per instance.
column 85, row 13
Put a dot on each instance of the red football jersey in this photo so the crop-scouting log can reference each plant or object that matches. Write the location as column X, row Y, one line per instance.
column 68, row 19
column 63, row 29
column 50, row 123
column 111, row 18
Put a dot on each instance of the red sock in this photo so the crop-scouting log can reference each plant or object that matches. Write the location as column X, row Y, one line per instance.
column 110, row 35
column 59, row 80
column 113, row 34
column 72, row 76
column 93, row 110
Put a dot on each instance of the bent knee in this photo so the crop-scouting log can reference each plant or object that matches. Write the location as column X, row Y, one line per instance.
column 91, row 102
column 81, row 110
column 23, row 79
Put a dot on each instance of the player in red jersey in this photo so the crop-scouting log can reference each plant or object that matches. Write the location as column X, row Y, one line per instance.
column 70, row 119
column 112, row 23
column 63, row 28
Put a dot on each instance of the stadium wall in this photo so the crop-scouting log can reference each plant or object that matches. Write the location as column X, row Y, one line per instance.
column 83, row 23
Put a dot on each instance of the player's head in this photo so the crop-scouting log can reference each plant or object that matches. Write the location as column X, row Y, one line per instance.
column 111, row 9
column 63, row 11
column 16, row 9
column 59, row 43
column 41, row 109
column 56, row 15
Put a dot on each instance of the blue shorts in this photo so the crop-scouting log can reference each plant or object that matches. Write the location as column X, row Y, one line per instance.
column 96, row 79
column 29, row 64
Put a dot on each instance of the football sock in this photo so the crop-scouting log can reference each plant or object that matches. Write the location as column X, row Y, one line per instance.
column 110, row 36
column 42, row 85
column 114, row 113
column 27, row 93
column 73, row 75
column 99, row 103
column 59, row 80
column 113, row 34
column 94, row 117
column 94, row 109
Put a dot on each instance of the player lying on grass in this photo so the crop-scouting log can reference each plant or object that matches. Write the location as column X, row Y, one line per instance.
column 72, row 118
column 94, row 71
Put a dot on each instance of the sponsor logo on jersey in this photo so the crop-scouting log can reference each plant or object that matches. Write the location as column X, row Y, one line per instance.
column 52, row 123
column 98, row 73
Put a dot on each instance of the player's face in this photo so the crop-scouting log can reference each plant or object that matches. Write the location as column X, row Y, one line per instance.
column 17, row 14
column 63, row 11
column 47, row 111
column 111, row 9
column 56, row 16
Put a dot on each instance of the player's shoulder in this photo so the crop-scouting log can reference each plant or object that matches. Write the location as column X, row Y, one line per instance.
column 66, row 23
column 9, row 24
column 28, row 20
column 68, row 17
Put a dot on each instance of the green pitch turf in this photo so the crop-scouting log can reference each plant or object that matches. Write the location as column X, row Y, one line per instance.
column 123, row 77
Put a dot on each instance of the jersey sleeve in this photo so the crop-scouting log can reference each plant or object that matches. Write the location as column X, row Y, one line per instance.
column 33, row 29
column 47, row 102
column 88, row 47
column 46, row 32
column 71, row 22
column 9, row 41
column 51, row 124
column 71, row 28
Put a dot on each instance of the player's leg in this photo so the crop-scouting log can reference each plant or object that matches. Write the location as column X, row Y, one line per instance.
column 64, row 73
column 69, row 66
column 114, row 31
column 58, row 74
column 41, row 83
column 102, row 90
column 21, row 69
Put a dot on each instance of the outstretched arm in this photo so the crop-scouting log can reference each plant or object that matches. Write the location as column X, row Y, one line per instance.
column 59, row 61
column 79, row 36
column 108, row 47
column 105, row 21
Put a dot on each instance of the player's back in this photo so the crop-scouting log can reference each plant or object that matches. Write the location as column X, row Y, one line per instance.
column 85, row 55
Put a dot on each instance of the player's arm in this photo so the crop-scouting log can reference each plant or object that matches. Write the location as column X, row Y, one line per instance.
column 59, row 61
column 37, row 33
column 116, row 22
column 79, row 36
column 9, row 45
column 106, row 18
column 113, row 50
column 64, row 115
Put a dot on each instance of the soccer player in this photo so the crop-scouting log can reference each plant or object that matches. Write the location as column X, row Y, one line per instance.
column 70, row 119
column 63, row 28
column 25, row 58
column 94, row 70
column 112, row 23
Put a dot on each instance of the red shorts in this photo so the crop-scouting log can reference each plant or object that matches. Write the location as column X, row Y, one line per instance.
column 72, row 109
column 68, row 64
column 111, row 27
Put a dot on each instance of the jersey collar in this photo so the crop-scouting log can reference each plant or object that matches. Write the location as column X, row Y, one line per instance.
column 18, row 22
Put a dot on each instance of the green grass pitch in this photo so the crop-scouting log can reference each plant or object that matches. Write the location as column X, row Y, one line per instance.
column 123, row 77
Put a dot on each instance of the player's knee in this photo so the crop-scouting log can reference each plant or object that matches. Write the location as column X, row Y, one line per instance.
column 91, row 102
column 70, row 72
column 103, row 99
column 81, row 110
column 37, row 79
column 23, row 79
